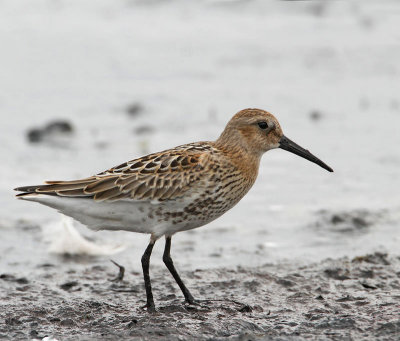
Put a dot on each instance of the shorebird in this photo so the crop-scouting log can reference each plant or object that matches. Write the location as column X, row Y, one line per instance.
column 174, row 190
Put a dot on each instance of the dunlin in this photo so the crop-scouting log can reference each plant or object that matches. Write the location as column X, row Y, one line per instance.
column 171, row 191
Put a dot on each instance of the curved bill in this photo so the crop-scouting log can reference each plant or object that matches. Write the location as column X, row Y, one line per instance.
column 294, row 148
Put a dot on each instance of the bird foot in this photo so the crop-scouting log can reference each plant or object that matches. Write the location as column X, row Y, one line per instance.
column 195, row 304
column 150, row 308
column 224, row 303
column 191, row 301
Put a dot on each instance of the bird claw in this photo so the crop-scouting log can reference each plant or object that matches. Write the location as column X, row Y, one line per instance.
column 195, row 304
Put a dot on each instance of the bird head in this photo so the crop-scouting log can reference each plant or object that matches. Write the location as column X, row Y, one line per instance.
column 258, row 131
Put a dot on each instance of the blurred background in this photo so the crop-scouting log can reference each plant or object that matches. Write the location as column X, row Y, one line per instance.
column 86, row 85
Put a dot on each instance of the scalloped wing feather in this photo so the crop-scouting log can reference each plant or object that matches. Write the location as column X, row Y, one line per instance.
column 160, row 176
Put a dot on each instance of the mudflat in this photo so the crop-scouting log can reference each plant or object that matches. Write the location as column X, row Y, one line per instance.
column 76, row 299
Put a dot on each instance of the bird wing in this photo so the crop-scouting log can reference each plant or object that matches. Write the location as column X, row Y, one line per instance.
column 160, row 176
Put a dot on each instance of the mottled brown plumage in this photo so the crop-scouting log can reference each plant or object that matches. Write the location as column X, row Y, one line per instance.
column 174, row 190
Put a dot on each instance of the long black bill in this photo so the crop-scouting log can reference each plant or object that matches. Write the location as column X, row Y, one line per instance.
column 294, row 148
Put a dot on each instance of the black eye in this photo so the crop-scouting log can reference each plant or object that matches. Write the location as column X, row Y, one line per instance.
column 263, row 125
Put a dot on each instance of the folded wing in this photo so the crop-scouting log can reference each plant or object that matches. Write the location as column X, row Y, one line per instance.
column 161, row 176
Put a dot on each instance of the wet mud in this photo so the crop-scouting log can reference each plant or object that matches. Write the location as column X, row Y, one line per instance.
column 79, row 299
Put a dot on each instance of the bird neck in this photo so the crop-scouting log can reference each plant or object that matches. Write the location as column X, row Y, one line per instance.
column 234, row 146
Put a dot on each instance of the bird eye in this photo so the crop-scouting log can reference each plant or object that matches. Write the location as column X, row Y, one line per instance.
column 263, row 125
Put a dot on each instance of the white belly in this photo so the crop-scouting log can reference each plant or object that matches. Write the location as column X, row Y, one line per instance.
column 153, row 217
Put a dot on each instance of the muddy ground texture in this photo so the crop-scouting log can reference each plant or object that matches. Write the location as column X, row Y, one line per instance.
column 335, row 299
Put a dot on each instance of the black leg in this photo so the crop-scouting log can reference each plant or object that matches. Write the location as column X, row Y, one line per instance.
column 145, row 265
column 170, row 265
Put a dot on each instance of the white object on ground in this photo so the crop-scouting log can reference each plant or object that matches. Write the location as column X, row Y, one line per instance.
column 64, row 238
